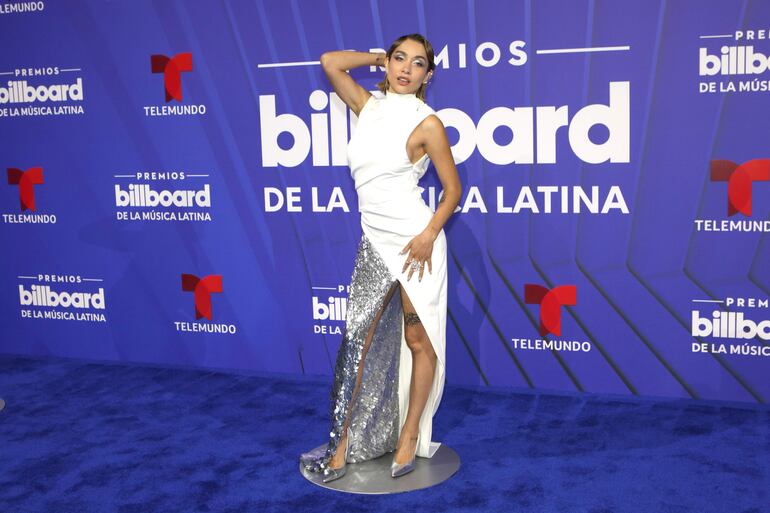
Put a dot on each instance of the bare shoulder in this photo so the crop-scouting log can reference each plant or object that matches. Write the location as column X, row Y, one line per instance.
column 432, row 129
column 432, row 123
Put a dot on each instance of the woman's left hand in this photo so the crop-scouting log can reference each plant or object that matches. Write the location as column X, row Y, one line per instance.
column 419, row 250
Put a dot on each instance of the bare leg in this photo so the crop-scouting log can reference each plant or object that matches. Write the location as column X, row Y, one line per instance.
column 338, row 459
column 423, row 368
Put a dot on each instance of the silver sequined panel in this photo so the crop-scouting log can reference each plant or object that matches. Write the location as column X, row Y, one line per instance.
column 374, row 413
column 375, row 408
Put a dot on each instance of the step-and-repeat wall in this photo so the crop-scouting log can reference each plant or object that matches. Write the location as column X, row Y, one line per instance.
column 175, row 187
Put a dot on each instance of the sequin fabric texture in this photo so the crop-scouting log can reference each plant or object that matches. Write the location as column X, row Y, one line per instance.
column 374, row 413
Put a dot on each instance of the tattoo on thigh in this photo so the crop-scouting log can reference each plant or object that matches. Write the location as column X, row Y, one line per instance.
column 411, row 318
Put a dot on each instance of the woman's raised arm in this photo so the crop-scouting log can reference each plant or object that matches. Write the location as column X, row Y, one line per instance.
column 336, row 65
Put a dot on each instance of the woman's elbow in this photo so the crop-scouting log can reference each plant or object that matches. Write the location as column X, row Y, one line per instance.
column 326, row 60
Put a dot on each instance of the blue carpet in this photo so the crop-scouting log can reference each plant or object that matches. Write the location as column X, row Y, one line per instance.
column 93, row 437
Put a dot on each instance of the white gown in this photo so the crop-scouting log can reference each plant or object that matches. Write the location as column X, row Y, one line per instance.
column 392, row 213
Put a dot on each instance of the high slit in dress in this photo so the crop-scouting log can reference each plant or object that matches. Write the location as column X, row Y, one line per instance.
column 392, row 213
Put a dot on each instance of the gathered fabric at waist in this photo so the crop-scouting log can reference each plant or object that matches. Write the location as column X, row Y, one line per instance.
column 388, row 193
column 404, row 214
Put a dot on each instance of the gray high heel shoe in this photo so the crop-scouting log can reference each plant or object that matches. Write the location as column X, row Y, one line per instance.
column 330, row 474
column 399, row 469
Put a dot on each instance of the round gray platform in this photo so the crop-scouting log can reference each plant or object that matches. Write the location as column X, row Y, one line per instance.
column 373, row 476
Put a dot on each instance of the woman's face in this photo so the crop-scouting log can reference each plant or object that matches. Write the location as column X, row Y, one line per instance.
column 407, row 67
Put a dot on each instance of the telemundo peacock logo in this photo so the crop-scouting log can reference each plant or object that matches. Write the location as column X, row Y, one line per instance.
column 172, row 69
column 26, row 180
column 203, row 288
column 739, row 180
column 550, row 301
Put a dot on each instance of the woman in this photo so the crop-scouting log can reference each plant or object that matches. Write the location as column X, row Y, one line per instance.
column 389, row 374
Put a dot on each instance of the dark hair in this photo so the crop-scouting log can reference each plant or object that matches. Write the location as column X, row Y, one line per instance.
column 383, row 85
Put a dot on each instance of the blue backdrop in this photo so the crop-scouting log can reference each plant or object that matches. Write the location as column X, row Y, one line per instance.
column 177, row 189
